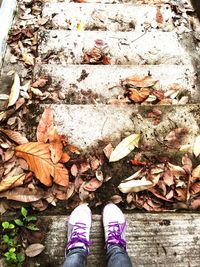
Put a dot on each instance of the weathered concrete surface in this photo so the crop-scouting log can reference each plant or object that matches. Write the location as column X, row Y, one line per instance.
column 152, row 239
column 86, row 125
column 94, row 85
column 111, row 17
column 7, row 8
column 125, row 48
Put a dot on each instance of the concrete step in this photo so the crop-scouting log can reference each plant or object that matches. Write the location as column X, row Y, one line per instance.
column 167, row 239
column 108, row 17
column 149, row 2
column 89, row 125
column 124, row 48
column 93, row 87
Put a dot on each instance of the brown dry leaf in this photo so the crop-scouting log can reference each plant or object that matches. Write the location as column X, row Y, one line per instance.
column 195, row 188
column 40, row 205
column 45, row 125
column 8, row 154
column 196, row 172
column 95, row 163
column 159, row 16
column 38, row 158
column 34, row 250
column 64, row 158
column 15, row 136
column 139, row 95
column 181, row 194
column 140, row 81
column 73, row 149
column 116, row 199
column 11, row 182
column 108, row 150
column 168, row 178
column 55, row 146
column 176, row 170
column 41, row 82
column 92, row 185
column 157, row 194
column 23, row 194
column 175, row 137
column 187, row 163
column 195, row 204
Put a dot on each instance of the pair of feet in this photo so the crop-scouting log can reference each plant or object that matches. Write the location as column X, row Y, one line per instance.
column 80, row 222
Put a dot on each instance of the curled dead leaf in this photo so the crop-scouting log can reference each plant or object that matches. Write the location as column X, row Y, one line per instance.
column 92, row 185
column 15, row 136
column 139, row 81
column 11, row 182
column 139, row 95
column 196, row 146
column 131, row 186
column 34, row 250
column 15, row 89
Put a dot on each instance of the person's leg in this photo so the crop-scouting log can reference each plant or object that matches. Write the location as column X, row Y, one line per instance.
column 78, row 236
column 114, row 227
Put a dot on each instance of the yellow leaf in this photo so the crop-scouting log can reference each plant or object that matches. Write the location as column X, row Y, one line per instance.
column 196, row 146
column 185, row 148
column 125, row 147
column 79, row 26
column 15, row 89
column 135, row 186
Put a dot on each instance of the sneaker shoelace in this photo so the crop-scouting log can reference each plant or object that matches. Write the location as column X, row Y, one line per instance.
column 115, row 232
column 78, row 235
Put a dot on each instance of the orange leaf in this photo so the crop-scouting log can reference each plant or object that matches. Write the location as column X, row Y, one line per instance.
column 56, row 147
column 139, row 95
column 159, row 16
column 65, row 158
column 140, row 81
column 15, row 136
column 73, row 149
column 45, row 125
column 38, row 158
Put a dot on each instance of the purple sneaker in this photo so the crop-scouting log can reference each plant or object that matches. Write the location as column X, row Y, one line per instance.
column 79, row 228
column 114, row 226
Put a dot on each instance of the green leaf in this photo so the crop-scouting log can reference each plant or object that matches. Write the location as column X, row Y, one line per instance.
column 24, row 212
column 20, row 257
column 11, row 226
column 5, row 238
column 12, row 250
column 32, row 227
column 31, row 218
column 5, row 225
column 19, row 222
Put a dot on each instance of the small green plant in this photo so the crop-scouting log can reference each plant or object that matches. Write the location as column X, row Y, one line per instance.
column 11, row 237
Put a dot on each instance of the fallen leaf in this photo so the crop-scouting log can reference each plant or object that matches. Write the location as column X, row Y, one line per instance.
column 140, row 81
column 195, row 204
column 74, row 170
column 23, row 194
column 136, row 162
column 196, row 146
column 55, row 146
column 159, row 16
column 73, row 149
column 15, row 136
column 15, row 89
column 187, row 163
column 116, row 199
column 34, row 250
column 168, row 178
column 158, row 195
column 139, row 95
column 195, row 188
column 175, row 137
column 36, row 91
column 92, row 185
column 41, row 82
column 64, row 158
column 108, row 150
column 135, row 186
column 176, row 170
column 38, row 158
column 196, row 172
column 125, row 147
column 10, row 182
column 45, row 125
column 185, row 148
column 28, row 59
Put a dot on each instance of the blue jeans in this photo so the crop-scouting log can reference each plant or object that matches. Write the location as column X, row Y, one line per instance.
column 116, row 257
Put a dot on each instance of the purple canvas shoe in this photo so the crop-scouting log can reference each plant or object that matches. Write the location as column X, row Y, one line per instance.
column 114, row 226
column 79, row 225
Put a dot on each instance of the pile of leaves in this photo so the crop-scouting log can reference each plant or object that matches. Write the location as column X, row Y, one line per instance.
column 19, row 238
column 96, row 55
column 147, row 90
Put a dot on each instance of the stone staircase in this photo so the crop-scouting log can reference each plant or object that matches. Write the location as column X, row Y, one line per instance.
column 137, row 44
